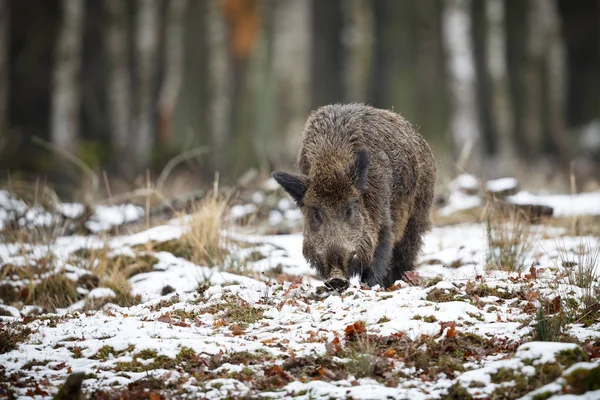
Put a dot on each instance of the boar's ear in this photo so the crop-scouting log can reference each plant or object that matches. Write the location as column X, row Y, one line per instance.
column 293, row 184
column 361, row 169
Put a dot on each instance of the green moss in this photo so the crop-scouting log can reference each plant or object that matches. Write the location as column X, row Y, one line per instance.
column 430, row 319
column 571, row 356
column 542, row 396
column 235, row 310
column 584, row 380
column 383, row 320
column 441, row 295
column 182, row 314
column 35, row 363
column 457, row 392
column 103, row 353
column 503, row 375
column 433, row 281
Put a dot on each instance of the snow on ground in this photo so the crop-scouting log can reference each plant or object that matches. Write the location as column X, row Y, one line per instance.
column 464, row 195
column 223, row 332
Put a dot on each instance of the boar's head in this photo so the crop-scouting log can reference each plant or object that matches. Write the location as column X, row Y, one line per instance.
column 332, row 199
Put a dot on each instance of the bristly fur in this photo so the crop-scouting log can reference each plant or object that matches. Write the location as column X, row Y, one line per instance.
column 365, row 189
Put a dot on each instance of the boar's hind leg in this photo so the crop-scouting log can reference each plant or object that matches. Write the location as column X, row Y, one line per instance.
column 376, row 274
column 405, row 252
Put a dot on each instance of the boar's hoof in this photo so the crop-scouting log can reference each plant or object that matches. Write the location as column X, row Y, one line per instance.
column 338, row 284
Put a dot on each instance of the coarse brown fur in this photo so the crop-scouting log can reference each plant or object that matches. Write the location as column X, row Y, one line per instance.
column 365, row 189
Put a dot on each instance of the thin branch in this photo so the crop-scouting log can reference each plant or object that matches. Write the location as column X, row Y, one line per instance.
column 186, row 155
column 70, row 157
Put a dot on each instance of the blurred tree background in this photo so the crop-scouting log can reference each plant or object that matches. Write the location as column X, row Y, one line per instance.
column 497, row 86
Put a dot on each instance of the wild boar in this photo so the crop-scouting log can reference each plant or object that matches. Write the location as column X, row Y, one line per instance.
column 365, row 188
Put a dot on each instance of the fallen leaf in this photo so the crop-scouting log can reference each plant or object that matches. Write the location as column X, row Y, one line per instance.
column 412, row 278
column 236, row 330
column 294, row 285
column 353, row 330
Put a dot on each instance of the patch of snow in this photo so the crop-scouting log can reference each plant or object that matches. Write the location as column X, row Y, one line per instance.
column 458, row 201
column 542, row 352
column 502, row 184
column 70, row 210
column 239, row 211
column 270, row 185
column 258, row 197
column 101, row 293
column 106, row 217
column 275, row 217
column 465, row 182
column 563, row 204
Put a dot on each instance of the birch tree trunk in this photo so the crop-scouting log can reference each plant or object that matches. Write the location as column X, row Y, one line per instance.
column 503, row 118
column 4, row 41
column 464, row 125
column 65, row 77
column 292, row 63
column 146, row 50
column 357, row 38
column 173, row 62
column 220, row 85
column 532, row 78
column 119, row 82
column 556, row 82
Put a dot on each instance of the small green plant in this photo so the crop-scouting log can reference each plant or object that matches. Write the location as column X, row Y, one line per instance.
column 548, row 328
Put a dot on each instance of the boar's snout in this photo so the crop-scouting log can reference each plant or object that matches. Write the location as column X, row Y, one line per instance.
column 337, row 281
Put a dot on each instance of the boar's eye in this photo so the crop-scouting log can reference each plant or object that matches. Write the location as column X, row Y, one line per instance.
column 316, row 215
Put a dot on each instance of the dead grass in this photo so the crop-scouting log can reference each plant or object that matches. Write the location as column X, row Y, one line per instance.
column 510, row 238
column 582, row 270
column 204, row 240
column 55, row 291
column 11, row 335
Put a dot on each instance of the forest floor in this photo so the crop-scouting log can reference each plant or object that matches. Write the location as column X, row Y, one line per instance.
column 498, row 308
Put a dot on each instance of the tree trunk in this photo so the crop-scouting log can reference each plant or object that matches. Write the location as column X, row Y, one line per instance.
column 65, row 79
column 291, row 58
column 357, row 38
column 146, row 50
column 173, row 63
column 502, row 112
column 466, row 134
column 220, row 85
column 119, row 82
column 556, row 80
column 532, row 79
column 4, row 40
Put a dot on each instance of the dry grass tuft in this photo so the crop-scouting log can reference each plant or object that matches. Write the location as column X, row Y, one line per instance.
column 55, row 291
column 509, row 235
column 204, row 241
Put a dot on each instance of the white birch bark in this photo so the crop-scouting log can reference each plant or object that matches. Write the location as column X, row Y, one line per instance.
column 220, row 84
column 291, row 58
column 65, row 77
column 497, row 65
column 173, row 62
column 146, row 48
column 119, row 80
column 357, row 38
column 464, row 121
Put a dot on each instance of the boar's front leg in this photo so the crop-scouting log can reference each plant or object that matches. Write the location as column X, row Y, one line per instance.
column 377, row 273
